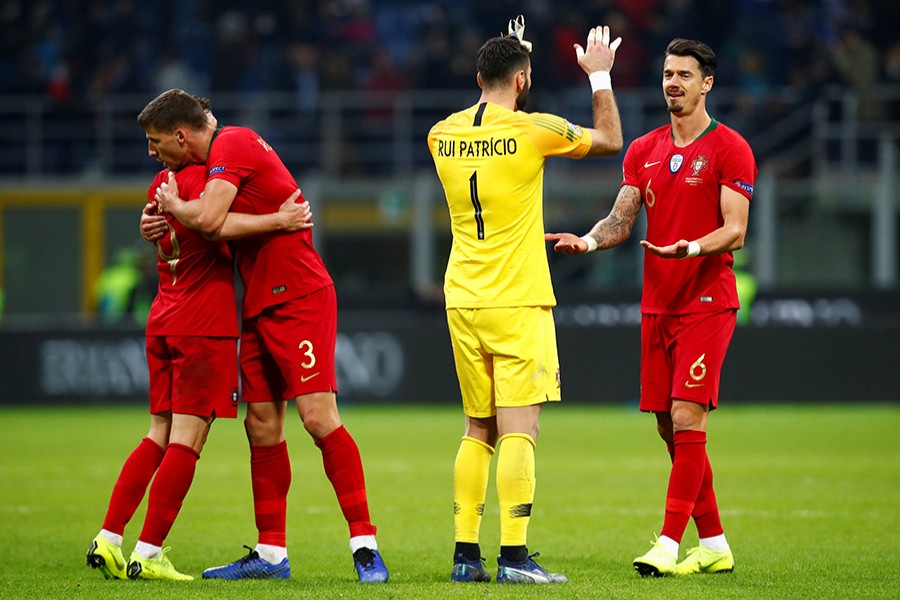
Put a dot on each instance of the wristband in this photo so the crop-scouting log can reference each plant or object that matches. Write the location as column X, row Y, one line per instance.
column 693, row 249
column 590, row 241
column 600, row 80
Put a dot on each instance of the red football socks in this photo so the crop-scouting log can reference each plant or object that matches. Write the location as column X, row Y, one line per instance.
column 132, row 484
column 270, row 473
column 685, row 481
column 343, row 466
column 706, row 510
column 170, row 486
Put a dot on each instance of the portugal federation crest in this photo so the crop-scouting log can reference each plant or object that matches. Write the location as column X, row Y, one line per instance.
column 698, row 164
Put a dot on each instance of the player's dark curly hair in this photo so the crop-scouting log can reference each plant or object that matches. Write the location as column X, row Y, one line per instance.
column 499, row 59
column 173, row 109
column 703, row 53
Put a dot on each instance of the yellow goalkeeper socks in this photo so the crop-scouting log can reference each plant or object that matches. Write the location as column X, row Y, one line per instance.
column 470, row 480
column 515, row 487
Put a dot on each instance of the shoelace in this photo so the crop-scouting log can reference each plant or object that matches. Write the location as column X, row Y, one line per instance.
column 251, row 555
column 365, row 557
column 525, row 562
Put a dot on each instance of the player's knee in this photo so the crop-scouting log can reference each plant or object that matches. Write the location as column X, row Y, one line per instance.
column 687, row 415
column 319, row 414
column 319, row 424
column 261, row 432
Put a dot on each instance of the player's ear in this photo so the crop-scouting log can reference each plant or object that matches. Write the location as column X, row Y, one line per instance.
column 521, row 81
column 707, row 85
column 478, row 79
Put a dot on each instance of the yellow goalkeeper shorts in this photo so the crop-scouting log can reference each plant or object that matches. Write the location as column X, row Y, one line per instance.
column 504, row 357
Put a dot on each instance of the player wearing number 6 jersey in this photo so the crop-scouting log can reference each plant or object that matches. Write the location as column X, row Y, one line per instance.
column 694, row 178
column 288, row 332
column 490, row 160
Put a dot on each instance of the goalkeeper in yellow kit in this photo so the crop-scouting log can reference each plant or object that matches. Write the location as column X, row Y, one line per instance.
column 490, row 160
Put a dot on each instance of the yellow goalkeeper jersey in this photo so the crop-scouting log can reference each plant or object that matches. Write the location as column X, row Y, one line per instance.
column 490, row 161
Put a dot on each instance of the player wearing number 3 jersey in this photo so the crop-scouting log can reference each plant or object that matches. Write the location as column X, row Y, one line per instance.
column 191, row 348
column 490, row 160
column 287, row 336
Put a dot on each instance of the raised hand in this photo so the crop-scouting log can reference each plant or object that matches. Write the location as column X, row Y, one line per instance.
column 517, row 29
column 599, row 54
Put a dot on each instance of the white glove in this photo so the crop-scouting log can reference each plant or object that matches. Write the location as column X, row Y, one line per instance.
column 517, row 28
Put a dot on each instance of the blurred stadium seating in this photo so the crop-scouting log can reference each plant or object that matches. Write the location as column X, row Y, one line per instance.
column 345, row 90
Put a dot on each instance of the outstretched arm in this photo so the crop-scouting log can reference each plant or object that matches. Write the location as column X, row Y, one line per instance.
column 730, row 236
column 597, row 61
column 608, row 232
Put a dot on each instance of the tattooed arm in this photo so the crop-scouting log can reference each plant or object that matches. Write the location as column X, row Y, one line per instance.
column 608, row 232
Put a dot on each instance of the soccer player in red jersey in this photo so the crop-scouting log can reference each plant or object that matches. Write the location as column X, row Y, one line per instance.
column 694, row 178
column 180, row 417
column 289, row 327
column 192, row 333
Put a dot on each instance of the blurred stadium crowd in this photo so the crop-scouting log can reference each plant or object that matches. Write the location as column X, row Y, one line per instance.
column 63, row 62
column 75, row 52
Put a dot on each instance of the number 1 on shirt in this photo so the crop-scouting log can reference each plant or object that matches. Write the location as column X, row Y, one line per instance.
column 473, row 193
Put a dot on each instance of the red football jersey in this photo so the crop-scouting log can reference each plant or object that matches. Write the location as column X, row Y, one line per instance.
column 196, row 276
column 277, row 266
column 680, row 188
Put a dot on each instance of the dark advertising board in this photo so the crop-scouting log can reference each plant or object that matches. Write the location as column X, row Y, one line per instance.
column 805, row 350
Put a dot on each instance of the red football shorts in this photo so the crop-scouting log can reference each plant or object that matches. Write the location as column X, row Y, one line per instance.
column 682, row 356
column 193, row 375
column 288, row 350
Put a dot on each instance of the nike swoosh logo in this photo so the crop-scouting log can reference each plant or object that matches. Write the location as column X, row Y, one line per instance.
column 266, row 570
column 305, row 378
column 688, row 384
column 650, row 164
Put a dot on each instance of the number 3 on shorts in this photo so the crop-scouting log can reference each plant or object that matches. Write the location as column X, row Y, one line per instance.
column 307, row 348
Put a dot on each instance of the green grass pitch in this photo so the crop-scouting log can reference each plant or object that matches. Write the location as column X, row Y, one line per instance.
column 810, row 499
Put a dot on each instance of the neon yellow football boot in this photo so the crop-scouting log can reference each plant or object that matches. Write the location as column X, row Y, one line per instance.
column 705, row 560
column 106, row 557
column 154, row 568
column 658, row 562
